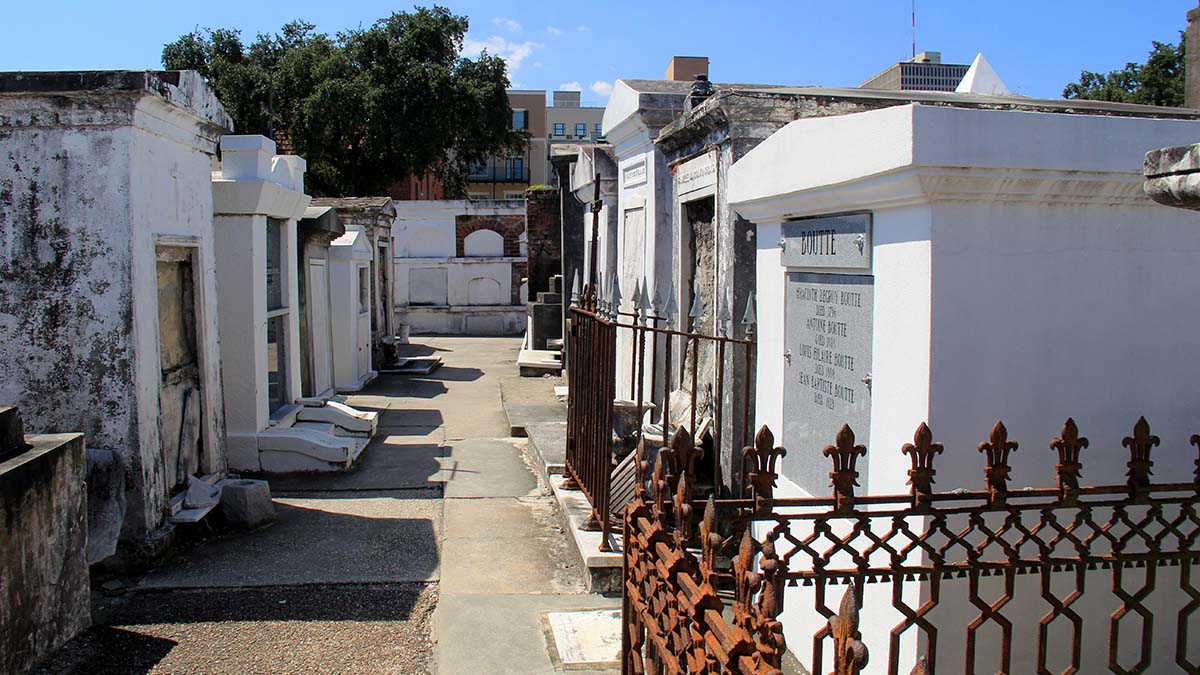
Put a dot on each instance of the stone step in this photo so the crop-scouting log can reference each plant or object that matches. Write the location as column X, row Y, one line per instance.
column 423, row 366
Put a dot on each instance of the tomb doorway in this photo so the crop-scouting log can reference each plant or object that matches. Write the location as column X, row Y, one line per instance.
column 180, row 396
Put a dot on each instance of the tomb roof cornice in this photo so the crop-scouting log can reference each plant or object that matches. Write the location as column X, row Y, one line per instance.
column 257, row 197
column 918, row 154
column 78, row 95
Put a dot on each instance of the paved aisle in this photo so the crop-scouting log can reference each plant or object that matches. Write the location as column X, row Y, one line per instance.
column 442, row 511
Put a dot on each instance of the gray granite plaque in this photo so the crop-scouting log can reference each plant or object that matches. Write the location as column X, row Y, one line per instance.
column 829, row 242
column 827, row 367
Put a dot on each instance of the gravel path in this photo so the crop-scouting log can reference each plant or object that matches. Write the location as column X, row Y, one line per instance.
column 377, row 629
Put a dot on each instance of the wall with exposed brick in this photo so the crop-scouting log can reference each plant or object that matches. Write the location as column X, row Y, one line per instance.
column 509, row 227
column 544, row 239
column 439, row 286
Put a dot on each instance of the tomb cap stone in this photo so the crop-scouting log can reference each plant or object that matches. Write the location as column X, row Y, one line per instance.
column 290, row 169
column 246, row 157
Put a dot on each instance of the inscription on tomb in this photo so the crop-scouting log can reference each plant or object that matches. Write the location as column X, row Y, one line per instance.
column 830, row 242
column 695, row 174
column 634, row 175
column 827, row 370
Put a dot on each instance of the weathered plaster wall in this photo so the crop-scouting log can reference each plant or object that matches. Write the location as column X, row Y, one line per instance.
column 66, row 315
column 171, row 205
column 45, row 597
column 92, row 181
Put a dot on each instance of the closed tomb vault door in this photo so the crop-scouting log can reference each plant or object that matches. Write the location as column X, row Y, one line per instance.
column 828, row 317
column 322, row 339
column 363, row 333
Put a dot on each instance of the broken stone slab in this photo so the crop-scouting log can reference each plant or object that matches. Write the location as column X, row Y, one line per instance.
column 415, row 366
column 246, row 503
column 200, row 495
column 301, row 450
column 106, row 503
column 1173, row 176
column 343, row 416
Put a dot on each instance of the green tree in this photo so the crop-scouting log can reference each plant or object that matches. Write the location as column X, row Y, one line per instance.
column 1158, row 81
column 367, row 106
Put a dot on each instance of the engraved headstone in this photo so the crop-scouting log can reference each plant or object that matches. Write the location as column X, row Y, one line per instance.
column 827, row 341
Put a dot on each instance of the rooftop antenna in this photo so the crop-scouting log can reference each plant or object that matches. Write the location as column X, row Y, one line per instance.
column 914, row 29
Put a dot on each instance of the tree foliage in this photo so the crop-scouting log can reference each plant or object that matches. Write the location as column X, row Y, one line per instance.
column 367, row 106
column 1158, row 81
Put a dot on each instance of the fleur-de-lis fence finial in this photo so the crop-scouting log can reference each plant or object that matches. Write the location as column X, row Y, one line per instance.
column 844, row 477
column 759, row 461
column 1069, row 468
column 710, row 539
column 849, row 653
column 746, row 579
column 1139, row 458
column 920, row 476
column 997, row 471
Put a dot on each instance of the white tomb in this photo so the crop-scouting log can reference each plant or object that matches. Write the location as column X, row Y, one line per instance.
column 453, row 275
column 257, row 199
column 959, row 266
column 108, row 312
column 644, row 249
column 350, row 286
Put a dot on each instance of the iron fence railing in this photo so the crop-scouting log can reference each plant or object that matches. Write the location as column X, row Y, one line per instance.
column 659, row 358
column 994, row 580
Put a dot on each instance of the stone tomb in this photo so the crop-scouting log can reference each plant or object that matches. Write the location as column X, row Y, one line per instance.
column 459, row 266
column 258, row 197
column 43, row 562
column 957, row 266
column 108, row 312
column 350, row 285
column 373, row 216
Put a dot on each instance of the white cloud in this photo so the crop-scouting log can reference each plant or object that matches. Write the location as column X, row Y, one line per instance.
column 585, row 29
column 554, row 30
column 508, row 24
column 602, row 88
column 570, row 86
column 537, row 64
column 513, row 53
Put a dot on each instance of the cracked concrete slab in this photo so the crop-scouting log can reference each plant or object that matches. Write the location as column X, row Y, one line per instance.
column 486, row 467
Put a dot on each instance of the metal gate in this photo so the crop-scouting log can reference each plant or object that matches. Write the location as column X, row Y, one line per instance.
column 993, row 580
column 591, row 375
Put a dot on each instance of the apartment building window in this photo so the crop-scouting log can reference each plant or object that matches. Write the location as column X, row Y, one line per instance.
column 520, row 120
column 581, row 129
column 560, row 129
column 515, row 169
column 599, row 130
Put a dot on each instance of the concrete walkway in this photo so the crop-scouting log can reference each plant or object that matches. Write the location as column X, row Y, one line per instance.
column 440, row 552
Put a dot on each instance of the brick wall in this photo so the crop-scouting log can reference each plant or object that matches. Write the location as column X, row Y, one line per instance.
column 544, row 239
column 509, row 227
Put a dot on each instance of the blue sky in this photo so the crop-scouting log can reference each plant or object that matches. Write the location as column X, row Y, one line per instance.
column 1036, row 47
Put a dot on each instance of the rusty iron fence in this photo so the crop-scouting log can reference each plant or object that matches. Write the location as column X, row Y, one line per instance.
column 598, row 384
column 993, row 580
column 592, row 381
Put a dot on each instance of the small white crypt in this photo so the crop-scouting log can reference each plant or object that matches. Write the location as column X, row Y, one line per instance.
column 258, row 197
